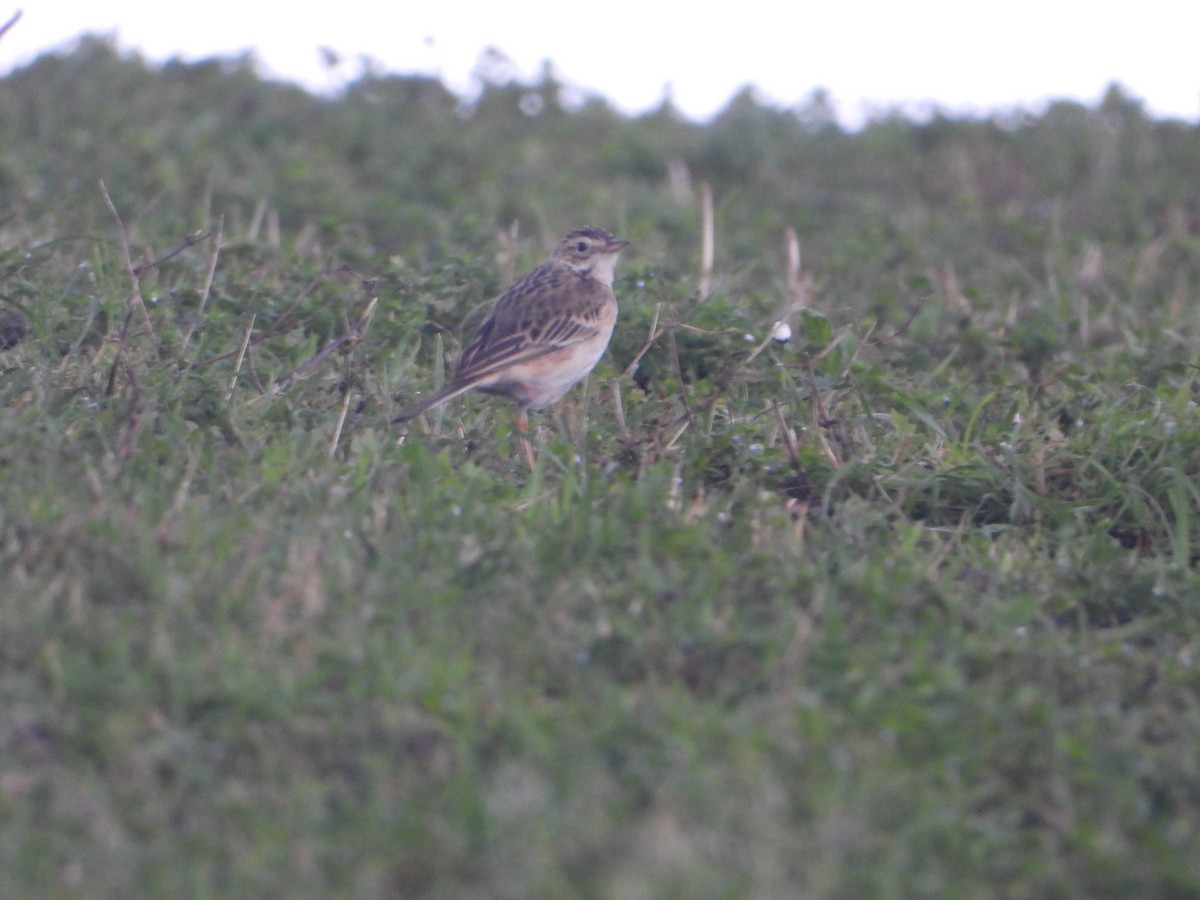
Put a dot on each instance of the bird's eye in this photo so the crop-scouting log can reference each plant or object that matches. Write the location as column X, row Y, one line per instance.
column 581, row 246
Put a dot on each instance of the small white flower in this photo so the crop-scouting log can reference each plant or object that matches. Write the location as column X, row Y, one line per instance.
column 782, row 332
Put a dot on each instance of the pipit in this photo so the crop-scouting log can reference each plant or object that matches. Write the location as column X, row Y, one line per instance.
column 545, row 333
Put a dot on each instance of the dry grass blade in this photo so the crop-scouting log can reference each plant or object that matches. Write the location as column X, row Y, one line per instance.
column 795, row 285
column 655, row 334
column 352, row 336
column 190, row 241
column 208, row 280
column 237, row 367
column 791, row 443
column 135, row 300
column 111, row 385
column 356, row 332
column 707, row 251
column 341, row 421
column 619, row 410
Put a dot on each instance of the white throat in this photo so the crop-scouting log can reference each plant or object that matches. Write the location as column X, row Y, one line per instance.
column 604, row 268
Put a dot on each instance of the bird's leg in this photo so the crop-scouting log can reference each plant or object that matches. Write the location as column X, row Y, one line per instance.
column 527, row 448
column 522, row 424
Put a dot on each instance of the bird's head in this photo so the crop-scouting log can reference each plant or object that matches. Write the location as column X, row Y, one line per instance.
column 591, row 252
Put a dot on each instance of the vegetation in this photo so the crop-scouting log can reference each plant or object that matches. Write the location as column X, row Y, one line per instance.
column 906, row 606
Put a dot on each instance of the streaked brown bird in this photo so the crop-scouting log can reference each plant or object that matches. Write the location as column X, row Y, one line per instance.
column 546, row 332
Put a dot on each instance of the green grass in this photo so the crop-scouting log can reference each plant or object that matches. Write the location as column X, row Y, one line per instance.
column 905, row 607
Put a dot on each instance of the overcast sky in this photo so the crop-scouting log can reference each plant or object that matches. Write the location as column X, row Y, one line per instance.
column 869, row 55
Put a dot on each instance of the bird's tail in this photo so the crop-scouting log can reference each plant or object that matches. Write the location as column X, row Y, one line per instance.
column 449, row 392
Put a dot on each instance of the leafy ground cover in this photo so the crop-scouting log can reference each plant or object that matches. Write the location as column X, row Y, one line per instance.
column 906, row 606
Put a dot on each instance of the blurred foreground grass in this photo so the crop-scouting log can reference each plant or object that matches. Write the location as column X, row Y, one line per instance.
column 905, row 607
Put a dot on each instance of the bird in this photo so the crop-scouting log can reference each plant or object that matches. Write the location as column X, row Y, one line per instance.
column 545, row 333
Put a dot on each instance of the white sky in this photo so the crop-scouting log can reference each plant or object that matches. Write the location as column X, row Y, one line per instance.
column 963, row 56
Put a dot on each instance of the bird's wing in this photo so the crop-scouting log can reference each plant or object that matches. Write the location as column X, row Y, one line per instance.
column 547, row 310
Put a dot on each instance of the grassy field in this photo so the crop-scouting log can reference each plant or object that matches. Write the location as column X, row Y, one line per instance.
column 907, row 606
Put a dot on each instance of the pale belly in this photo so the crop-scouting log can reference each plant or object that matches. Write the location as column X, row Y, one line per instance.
column 540, row 382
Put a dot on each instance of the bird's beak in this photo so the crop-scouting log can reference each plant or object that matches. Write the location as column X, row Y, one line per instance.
column 614, row 246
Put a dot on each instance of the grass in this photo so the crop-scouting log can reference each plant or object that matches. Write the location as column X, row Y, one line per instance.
column 904, row 607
